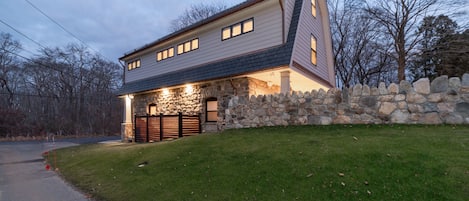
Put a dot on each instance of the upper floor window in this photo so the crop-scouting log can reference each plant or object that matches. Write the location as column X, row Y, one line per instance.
column 237, row 29
column 314, row 51
column 165, row 54
column 313, row 8
column 133, row 64
column 188, row 46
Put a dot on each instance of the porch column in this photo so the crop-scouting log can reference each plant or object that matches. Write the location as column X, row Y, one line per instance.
column 127, row 124
column 285, row 82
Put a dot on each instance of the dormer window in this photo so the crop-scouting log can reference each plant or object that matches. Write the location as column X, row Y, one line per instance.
column 237, row 29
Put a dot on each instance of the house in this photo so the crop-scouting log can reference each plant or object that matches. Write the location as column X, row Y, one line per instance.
column 256, row 47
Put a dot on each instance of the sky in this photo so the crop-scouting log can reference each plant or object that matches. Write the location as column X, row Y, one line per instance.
column 110, row 27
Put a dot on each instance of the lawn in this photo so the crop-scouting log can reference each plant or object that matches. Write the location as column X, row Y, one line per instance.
column 364, row 162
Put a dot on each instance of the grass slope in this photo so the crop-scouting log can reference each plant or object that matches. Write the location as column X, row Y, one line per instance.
column 281, row 163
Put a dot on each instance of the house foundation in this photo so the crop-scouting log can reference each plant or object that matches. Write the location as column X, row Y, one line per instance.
column 191, row 99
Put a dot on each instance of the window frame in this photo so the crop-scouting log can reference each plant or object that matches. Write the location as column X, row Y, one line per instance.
column 314, row 50
column 187, row 46
column 207, row 111
column 313, row 8
column 134, row 64
column 231, row 28
column 150, row 106
column 160, row 56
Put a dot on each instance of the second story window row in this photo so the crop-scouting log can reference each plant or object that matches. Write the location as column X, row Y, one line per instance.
column 237, row 29
column 188, row 46
column 165, row 54
column 133, row 65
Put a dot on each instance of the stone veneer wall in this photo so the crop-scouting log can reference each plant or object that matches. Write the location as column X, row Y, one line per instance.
column 193, row 102
column 441, row 101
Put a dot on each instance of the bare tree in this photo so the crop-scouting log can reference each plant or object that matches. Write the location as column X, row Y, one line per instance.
column 360, row 52
column 73, row 91
column 196, row 13
column 9, row 66
column 11, row 118
column 399, row 19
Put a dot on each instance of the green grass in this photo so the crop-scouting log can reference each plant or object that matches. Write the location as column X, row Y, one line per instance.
column 281, row 163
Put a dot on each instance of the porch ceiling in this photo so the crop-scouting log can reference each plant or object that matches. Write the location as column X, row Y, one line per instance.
column 298, row 82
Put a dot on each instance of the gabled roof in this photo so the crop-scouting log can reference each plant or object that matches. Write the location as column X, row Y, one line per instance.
column 258, row 61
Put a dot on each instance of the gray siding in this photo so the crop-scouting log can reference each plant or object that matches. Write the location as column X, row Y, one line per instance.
column 302, row 50
column 288, row 9
column 267, row 33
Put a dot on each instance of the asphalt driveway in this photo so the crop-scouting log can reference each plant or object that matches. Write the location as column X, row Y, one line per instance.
column 23, row 174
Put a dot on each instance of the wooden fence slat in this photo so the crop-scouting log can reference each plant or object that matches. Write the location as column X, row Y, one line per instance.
column 165, row 127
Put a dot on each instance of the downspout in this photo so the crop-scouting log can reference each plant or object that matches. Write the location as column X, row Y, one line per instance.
column 283, row 21
column 123, row 74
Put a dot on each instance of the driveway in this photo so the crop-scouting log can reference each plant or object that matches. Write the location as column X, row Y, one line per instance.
column 23, row 176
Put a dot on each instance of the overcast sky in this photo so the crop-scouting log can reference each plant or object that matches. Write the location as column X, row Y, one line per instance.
column 111, row 27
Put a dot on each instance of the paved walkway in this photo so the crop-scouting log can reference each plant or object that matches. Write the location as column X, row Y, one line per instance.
column 23, row 176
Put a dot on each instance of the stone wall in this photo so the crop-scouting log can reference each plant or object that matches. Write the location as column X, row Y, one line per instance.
column 444, row 100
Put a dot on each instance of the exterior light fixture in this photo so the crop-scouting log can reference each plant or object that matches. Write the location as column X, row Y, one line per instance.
column 165, row 91
column 189, row 88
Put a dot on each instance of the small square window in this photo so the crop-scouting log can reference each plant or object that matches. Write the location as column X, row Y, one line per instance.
column 171, row 52
column 152, row 110
column 248, row 26
column 180, row 48
column 195, row 44
column 226, row 33
column 138, row 63
column 236, row 30
column 165, row 54
column 187, row 46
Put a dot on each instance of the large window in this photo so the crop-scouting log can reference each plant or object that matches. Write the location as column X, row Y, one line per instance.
column 313, row 8
column 133, row 64
column 165, row 54
column 188, row 46
column 237, row 29
column 212, row 110
column 314, row 52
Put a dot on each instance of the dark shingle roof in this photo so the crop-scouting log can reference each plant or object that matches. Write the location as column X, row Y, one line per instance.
column 258, row 61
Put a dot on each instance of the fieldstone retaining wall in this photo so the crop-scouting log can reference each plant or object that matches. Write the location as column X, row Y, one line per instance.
column 443, row 101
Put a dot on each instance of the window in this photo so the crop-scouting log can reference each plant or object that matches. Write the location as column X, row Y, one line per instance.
column 133, row 64
column 313, row 8
column 212, row 110
column 314, row 51
column 237, row 29
column 165, row 54
column 152, row 109
column 188, row 46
